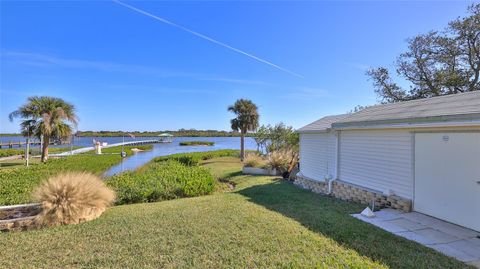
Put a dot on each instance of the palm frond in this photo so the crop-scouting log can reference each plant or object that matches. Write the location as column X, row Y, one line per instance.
column 45, row 115
column 247, row 117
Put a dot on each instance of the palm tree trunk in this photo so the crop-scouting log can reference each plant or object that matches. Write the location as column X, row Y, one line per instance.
column 46, row 143
column 242, row 146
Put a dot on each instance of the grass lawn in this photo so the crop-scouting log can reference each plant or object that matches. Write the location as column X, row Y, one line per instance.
column 17, row 181
column 264, row 222
column 5, row 152
column 5, row 164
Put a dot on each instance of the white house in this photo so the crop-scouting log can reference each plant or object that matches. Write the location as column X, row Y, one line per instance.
column 421, row 155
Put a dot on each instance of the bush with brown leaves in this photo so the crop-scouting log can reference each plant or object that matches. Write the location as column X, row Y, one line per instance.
column 253, row 160
column 71, row 198
column 280, row 160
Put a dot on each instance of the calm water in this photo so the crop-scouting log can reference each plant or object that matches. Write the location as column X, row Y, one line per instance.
column 141, row 158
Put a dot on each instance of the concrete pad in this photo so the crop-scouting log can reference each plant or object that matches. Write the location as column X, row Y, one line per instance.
column 440, row 225
column 436, row 237
column 390, row 227
column 450, row 239
column 453, row 252
column 454, row 230
column 388, row 214
column 365, row 219
column 475, row 242
column 468, row 246
column 408, row 224
column 422, row 219
column 416, row 237
column 475, row 263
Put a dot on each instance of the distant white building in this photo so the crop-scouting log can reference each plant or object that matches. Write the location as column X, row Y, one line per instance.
column 421, row 155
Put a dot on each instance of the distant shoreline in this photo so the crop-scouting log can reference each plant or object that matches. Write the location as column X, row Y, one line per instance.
column 196, row 143
column 186, row 133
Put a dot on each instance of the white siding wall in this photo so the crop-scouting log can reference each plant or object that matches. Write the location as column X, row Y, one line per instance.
column 379, row 160
column 317, row 155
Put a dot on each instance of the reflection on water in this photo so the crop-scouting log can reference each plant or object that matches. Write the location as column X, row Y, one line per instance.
column 140, row 158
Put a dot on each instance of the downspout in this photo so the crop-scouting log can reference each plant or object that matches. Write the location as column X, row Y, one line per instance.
column 330, row 182
column 337, row 163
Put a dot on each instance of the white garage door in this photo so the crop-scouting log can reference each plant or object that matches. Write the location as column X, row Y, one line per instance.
column 447, row 177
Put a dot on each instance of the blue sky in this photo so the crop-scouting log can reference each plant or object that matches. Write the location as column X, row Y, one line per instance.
column 127, row 71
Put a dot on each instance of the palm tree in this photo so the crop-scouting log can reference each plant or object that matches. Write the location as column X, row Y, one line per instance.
column 46, row 117
column 246, row 120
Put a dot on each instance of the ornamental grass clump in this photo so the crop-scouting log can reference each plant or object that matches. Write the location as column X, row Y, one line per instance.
column 252, row 160
column 71, row 198
column 279, row 160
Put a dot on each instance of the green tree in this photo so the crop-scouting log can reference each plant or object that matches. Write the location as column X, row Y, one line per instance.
column 436, row 63
column 277, row 137
column 246, row 120
column 47, row 117
column 262, row 139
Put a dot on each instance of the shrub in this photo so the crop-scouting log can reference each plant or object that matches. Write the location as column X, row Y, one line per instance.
column 71, row 198
column 279, row 160
column 11, row 152
column 196, row 143
column 253, row 160
column 162, row 181
column 194, row 158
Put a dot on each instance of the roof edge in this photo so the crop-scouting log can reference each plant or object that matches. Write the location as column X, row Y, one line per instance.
column 314, row 131
column 383, row 124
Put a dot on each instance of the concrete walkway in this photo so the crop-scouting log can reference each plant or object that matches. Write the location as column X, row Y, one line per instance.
column 450, row 239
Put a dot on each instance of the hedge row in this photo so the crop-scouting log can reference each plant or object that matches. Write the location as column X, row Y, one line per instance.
column 162, row 181
column 194, row 158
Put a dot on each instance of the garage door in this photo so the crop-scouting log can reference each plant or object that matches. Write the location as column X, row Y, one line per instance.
column 447, row 177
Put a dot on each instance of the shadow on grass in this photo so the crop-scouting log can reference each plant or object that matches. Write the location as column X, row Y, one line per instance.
column 11, row 164
column 330, row 217
column 227, row 176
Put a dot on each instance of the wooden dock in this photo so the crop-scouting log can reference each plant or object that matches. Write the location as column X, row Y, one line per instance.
column 130, row 143
column 20, row 144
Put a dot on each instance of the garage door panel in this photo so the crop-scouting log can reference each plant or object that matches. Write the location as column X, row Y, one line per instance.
column 447, row 168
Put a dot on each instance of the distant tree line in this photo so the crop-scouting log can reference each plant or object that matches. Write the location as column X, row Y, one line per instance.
column 180, row 132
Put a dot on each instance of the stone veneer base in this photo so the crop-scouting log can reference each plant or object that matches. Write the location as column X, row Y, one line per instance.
column 18, row 217
column 349, row 192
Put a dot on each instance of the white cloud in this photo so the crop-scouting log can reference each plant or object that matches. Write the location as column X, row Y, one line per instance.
column 44, row 60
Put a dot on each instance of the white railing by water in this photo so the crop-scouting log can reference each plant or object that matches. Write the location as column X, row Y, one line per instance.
column 86, row 149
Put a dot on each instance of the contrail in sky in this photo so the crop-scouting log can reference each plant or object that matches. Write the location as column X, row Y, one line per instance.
column 206, row 38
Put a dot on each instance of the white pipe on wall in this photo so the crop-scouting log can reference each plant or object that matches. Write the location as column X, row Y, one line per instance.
column 337, row 155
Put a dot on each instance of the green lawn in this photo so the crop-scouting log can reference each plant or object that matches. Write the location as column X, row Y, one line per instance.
column 264, row 222
column 17, row 181
column 5, row 152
